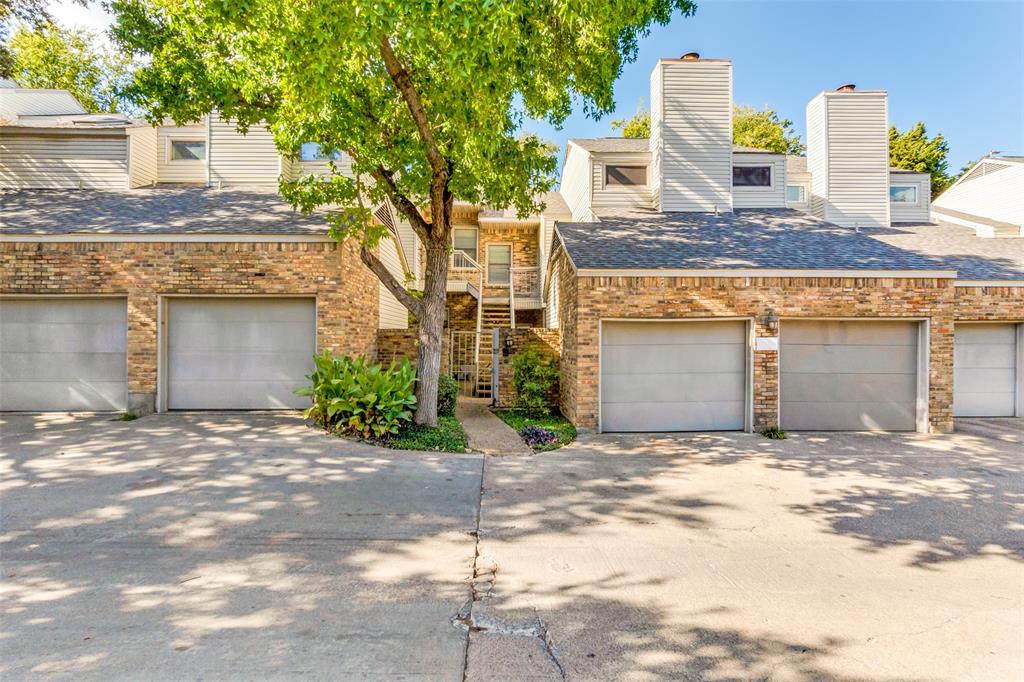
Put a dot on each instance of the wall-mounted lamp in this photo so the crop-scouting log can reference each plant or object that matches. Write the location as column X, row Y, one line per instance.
column 771, row 321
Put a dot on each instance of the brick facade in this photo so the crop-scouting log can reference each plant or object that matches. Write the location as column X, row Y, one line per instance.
column 346, row 291
column 512, row 341
column 587, row 300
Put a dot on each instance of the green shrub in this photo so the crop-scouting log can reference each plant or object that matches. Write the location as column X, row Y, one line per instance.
column 352, row 396
column 773, row 432
column 533, row 377
column 447, row 395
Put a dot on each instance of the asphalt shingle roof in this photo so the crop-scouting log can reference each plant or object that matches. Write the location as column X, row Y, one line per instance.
column 163, row 210
column 778, row 239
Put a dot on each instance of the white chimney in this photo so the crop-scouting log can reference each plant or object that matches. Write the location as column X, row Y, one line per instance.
column 691, row 134
column 848, row 156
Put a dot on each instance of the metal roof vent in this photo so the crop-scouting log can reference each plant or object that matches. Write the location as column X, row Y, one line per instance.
column 849, row 87
column 690, row 56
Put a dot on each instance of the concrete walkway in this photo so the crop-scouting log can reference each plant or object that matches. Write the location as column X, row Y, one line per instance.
column 487, row 433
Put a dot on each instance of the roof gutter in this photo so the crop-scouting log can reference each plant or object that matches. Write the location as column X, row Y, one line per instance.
column 764, row 272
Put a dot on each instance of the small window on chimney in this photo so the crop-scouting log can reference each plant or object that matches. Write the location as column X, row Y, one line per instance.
column 751, row 176
column 625, row 176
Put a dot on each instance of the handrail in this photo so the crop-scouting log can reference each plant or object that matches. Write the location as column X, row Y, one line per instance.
column 512, row 297
column 462, row 260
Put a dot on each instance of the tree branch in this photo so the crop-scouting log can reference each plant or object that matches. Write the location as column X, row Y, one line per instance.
column 402, row 202
column 399, row 291
column 403, row 81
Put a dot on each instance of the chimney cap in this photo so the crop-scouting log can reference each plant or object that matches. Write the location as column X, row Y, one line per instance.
column 848, row 87
column 690, row 56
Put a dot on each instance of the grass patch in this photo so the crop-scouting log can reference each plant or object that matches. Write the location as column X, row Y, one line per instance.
column 448, row 436
column 518, row 420
column 774, row 432
column 126, row 417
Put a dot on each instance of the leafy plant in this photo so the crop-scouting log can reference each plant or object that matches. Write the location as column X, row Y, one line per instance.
column 764, row 129
column 447, row 436
column 554, row 422
column 353, row 396
column 533, row 377
column 538, row 436
column 447, row 395
column 773, row 432
column 128, row 416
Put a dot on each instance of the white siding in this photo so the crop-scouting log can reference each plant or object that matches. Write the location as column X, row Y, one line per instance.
column 654, row 142
column 854, row 176
column 64, row 161
column 912, row 213
column 237, row 159
column 393, row 315
column 189, row 172
column 817, row 154
column 615, row 197
column 695, row 122
column 410, row 243
column 576, row 183
column 142, row 164
column 997, row 195
column 761, row 197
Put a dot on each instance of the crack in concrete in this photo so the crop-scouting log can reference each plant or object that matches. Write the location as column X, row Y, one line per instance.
column 473, row 618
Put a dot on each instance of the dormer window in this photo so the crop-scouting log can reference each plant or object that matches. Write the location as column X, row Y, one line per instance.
column 625, row 176
column 751, row 176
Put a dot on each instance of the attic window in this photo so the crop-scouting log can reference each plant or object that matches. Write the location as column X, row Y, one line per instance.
column 624, row 176
column 751, row 176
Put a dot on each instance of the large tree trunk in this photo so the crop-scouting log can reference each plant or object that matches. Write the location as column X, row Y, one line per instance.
column 431, row 332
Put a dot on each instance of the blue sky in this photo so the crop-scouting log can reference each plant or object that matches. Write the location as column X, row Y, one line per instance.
column 957, row 66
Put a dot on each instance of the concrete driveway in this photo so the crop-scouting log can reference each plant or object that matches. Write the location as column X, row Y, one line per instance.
column 227, row 546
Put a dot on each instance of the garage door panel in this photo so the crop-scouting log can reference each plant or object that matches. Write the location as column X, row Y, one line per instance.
column 673, row 333
column 985, row 370
column 245, row 395
column 849, row 388
column 655, row 416
column 671, row 359
column 46, row 337
column 61, row 366
column 239, row 353
column 225, row 365
column 848, row 375
column 984, row 381
column 844, row 416
column 71, row 396
column 881, row 359
column 679, row 388
column 63, row 354
column 843, row 332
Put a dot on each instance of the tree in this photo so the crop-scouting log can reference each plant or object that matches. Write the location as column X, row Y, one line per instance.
column 915, row 151
column 69, row 59
column 427, row 99
column 638, row 125
column 764, row 130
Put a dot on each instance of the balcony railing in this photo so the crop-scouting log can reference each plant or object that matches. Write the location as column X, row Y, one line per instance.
column 462, row 261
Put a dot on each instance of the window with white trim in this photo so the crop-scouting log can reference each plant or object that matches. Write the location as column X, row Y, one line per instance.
column 465, row 239
column 751, row 176
column 499, row 263
column 187, row 150
column 796, row 194
column 624, row 176
column 903, row 194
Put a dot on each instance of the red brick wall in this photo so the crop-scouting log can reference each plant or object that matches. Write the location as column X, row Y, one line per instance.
column 346, row 292
column 512, row 341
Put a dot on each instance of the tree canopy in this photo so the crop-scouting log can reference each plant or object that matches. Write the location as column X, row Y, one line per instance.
column 638, row 125
column 427, row 99
column 914, row 150
column 764, row 129
column 14, row 13
column 50, row 56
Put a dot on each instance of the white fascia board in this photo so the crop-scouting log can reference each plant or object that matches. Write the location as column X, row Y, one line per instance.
column 172, row 237
column 989, row 283
column 873, row 274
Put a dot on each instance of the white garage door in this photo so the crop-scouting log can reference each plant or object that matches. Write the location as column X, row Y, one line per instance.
column 231, row 354
column 673, row 376
column 848, row 376
column 985, row 370
column 63, row 354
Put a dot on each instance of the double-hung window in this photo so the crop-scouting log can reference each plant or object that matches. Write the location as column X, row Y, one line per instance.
column 499, row 263
column 465, row 239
